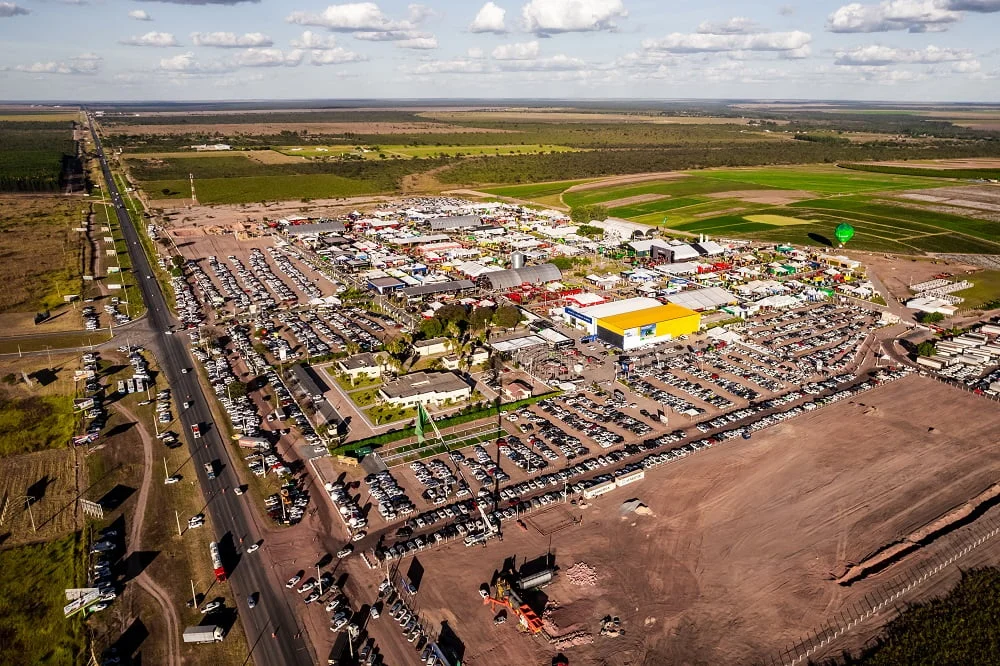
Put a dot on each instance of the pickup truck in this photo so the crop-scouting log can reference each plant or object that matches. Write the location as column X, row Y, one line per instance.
column 196, row 431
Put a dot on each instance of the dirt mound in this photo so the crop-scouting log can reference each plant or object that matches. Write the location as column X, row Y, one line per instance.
column 582, row 574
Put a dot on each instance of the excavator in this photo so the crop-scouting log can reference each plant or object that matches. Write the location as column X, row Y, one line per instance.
column 504, row 596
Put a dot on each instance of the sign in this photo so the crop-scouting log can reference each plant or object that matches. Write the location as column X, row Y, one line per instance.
column 69, row 298
column 79, row 604
column 578, row 315
column 92, row 509
column 282, row 354
column 72, row 594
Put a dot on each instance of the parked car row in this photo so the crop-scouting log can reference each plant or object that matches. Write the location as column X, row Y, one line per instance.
column 347, row 505
column 390, row 496
column 205, row 285
column 285, row 265
column 253, row 288
column 562, row 485
column 187, row 306
column 262, row 271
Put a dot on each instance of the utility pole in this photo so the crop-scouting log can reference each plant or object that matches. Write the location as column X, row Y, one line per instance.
column 194, row 597
column 177, row 517
column 166, row 474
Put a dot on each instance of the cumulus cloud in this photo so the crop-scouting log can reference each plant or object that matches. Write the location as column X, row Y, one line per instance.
column 85, row 63
column 268, row 58
column 880, row 56
column 351, row 17
column 417, row 12
column 455, row 66
column 230, row 40
column 735, row 25
column 556, row 63
column 421, row 43
column 312, row 40
column 158, row 39
column 335, row 56
column 544, row 17
column 984, row 6
column 140, row 15
column 475, row 52
column 8, row 9
column 712, row 43
column 490, row 18
column 518, row 51
column 911, row 15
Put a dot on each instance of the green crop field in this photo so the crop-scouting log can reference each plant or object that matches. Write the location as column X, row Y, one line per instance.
column 263, row 188
column 535, row 190
column 816, row 179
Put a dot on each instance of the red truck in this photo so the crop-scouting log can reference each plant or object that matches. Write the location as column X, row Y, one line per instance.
column 196, row 431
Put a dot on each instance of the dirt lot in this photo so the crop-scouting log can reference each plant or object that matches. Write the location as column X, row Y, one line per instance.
column 898, row 274
column 626, row 180
column 637, row 199
column 268, row 129
column 738, row 557
column 775, row 197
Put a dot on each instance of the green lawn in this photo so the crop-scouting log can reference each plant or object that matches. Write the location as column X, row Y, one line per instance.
column 32, row 627
column 535, row 190
column 675, row 187
column 818, row 179
column 985, row 289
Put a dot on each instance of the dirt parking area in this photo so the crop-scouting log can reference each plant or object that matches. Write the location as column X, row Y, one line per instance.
column 737, row 554
column 899, row 273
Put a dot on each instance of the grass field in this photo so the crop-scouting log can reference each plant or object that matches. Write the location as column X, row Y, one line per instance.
column 776, row 220
column 985, row 289
column 262, row 188
column 39, row 117
column 32, row 627
column 42, row 255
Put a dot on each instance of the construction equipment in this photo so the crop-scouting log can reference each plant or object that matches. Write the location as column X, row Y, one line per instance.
column 505, row 596
column 611, row 626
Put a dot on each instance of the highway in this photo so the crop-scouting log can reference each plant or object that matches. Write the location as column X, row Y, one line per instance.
column 271, row 628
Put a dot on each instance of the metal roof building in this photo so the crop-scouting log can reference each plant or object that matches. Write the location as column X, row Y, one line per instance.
column 703, row 299
column 528, row 275
column 331, row 227
column 456, row 222
column 438, row 288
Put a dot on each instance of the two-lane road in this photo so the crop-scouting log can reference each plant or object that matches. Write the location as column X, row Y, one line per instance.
column 271, row 627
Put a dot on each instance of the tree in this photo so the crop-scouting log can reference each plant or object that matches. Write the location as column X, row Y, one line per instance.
column 481, row 318
column 236, row 389
column 590, row 231
column 431, row 328
column 452, row 313
column 583, row 214
column 507, row 316
column 925, row 349
column 931, row 317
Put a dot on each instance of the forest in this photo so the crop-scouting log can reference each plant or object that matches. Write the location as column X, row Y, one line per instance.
column 36, row 156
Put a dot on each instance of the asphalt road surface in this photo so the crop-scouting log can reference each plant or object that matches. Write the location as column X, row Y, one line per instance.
column 271, row 628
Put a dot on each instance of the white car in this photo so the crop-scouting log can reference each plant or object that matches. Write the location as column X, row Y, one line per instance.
column 211, row 606
column 238, row 490
column 253, row 548
column 172, row 479
column 184, row 371
column 359, row 536
column 187, row 405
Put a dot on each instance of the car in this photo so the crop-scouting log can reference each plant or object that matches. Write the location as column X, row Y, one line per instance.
column 253, row 548
column 172, row 479
column 374, row 612
column 252, row 601
column 168, row 332
column 359, row 536
column 313, row 596
column 211, row 606
column 187, row 405
column 184, row 371
column 332, row 605
column 238, row 490
column 99, row 607
column 306, row 586
column 345, row 551
column 293, row 581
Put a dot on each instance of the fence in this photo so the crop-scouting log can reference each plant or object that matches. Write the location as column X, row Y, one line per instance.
column 879, row 600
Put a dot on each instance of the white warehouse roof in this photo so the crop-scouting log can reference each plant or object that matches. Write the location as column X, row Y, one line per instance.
column 618, row 307
column 703, row 299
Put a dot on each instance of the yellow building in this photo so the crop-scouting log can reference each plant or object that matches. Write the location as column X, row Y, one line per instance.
column 648, row 326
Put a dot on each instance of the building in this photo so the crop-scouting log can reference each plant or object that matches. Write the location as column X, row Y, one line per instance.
column 385, row 285
column 708, row 298
column 478, row 357
column 360, row 365
column 585, row 319
column 511, row 279
column 431, row 347
column 647, row 326
column 425, row 388
column 315, row 229
column 517, row 390
column 455, row 222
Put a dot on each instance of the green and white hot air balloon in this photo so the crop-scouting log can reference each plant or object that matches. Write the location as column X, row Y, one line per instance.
column 844, row 232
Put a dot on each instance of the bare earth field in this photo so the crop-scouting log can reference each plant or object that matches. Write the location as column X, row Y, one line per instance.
column 774, row 197
column 637, row 199
column 233, row 129
column 972, row 163
column 738, row 557
column 898, row 274
column 626, row 180
column 577, row 116
column 50, row 475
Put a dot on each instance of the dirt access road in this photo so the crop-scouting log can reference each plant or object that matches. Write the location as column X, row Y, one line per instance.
column 144, row 580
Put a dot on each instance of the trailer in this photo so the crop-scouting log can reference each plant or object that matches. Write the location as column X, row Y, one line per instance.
column 206, row 633
column 220, row 571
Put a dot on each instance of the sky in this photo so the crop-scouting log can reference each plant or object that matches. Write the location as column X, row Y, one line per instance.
column 902, row 50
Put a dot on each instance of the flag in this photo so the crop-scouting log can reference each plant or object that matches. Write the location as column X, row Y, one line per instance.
column 420, row 423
